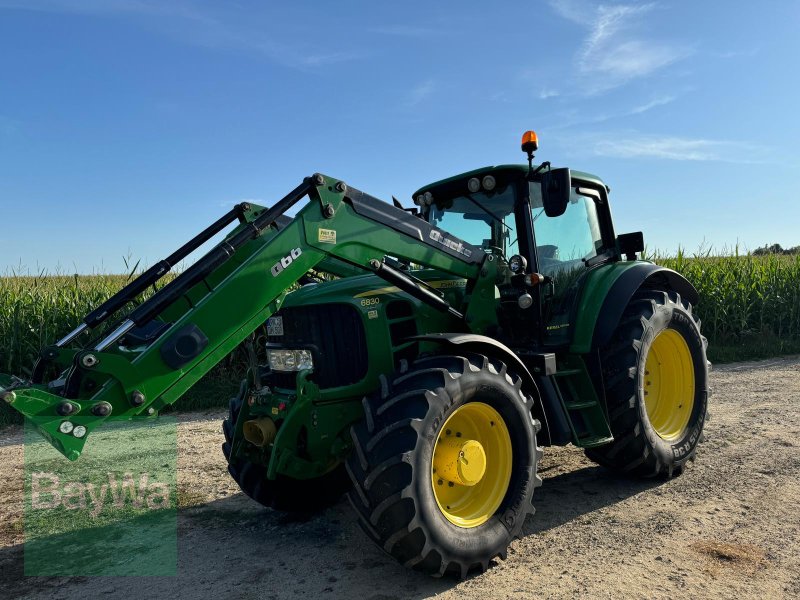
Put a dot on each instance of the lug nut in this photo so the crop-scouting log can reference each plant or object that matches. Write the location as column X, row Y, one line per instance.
column 327, row 211
column 137, row 398
column 341, row 186
column 318, row 179
column 8, row 397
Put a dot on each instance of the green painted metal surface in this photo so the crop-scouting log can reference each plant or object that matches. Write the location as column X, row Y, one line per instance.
column 595, row 288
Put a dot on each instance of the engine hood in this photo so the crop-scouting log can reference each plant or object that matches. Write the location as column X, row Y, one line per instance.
column 360, row 289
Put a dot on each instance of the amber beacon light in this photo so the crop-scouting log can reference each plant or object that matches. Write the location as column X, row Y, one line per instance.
column 530, row 142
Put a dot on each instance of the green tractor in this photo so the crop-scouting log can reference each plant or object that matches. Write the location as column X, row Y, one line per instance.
column 417, row 359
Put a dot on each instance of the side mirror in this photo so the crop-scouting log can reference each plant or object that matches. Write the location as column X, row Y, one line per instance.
column 556, row 190
column 630, row 243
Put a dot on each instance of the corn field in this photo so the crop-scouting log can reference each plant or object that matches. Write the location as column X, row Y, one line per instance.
column 749, row 304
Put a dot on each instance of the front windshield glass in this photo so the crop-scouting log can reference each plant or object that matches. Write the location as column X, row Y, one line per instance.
column 484, row 219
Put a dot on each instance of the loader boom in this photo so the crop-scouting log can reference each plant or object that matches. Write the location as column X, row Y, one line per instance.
column 157, row 351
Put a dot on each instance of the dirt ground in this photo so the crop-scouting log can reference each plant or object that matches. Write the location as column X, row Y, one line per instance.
column 728, row 527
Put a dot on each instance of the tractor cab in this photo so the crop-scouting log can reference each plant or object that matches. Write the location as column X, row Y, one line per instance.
column 547, row 228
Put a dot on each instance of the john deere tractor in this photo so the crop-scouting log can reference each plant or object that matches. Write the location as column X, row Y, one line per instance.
column 416, row 358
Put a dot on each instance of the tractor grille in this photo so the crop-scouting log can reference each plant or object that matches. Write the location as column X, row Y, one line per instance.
column 335, row 335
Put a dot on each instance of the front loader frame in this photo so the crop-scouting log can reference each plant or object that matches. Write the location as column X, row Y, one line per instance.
column 197, row 319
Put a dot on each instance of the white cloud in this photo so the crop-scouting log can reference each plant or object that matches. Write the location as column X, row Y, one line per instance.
column 420, row 92
column 737, row 53
column 670, row 148
column 656, row 102
column 613, row 51
column 546, row 93
column 210, row 26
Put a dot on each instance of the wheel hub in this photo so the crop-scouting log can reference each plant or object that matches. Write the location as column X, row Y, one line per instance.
column 669, row 385
column 461, row 462
column 471, row 464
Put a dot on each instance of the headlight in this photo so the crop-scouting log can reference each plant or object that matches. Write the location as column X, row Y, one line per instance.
column 290, row 360
column 489, row 183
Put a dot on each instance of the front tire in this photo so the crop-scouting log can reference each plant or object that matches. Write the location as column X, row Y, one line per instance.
column 656, row 376
column 283, row 493
column 445, row 464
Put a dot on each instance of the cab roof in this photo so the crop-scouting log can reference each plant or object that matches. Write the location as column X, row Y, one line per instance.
column 510, row 171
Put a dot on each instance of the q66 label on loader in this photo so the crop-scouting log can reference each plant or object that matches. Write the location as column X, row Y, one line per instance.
column 425, row 358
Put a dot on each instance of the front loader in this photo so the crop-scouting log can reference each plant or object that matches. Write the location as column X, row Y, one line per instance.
column 416, row 358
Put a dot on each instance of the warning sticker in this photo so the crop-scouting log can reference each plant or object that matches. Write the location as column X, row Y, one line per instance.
column 327, row 236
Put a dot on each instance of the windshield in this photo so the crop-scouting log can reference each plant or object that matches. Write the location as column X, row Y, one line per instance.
column 484, row 219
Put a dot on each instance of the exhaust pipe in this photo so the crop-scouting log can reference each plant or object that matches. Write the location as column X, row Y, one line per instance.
column 259, row 432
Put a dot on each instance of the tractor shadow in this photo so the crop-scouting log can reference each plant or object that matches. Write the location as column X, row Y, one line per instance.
column 567, row 496
column 233, row 548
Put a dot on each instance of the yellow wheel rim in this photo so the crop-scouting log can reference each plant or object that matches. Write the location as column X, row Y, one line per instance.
column 669, row 384
column 471, row 466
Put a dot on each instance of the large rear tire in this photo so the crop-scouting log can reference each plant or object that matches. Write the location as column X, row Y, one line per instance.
column 656, row 377
column 445, row 464
column 283, row 493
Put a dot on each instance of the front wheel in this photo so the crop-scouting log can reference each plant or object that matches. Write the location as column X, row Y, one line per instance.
column 656, row 377
column 284, row 493
column 445, row 464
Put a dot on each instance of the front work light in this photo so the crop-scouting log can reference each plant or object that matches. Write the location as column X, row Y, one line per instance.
column 289, row 360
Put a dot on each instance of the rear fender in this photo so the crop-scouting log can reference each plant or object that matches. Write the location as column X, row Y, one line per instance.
column 640, row 275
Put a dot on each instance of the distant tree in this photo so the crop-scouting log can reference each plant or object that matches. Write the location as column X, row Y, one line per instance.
column 775, row 249
column 768, row 249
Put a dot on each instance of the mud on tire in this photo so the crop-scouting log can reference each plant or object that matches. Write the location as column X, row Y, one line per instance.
column 284, row 493
column 638, row 448
column 391, row 464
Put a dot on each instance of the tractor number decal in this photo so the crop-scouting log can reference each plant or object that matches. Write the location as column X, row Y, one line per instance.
column 285, row 262
column 370, row 301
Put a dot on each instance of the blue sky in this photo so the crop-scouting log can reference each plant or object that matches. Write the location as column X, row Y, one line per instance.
column 126, row 126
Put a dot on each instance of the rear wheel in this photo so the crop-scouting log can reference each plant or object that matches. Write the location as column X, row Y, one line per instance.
column 445, row 464
column 283, row 493
column 656, row 377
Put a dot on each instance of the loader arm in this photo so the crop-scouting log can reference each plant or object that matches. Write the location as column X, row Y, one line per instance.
column 159, row 349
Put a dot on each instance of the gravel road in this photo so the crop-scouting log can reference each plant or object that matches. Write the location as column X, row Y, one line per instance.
column 728, row 527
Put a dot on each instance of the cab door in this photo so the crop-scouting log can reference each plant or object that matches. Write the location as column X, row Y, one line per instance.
column 565, row 249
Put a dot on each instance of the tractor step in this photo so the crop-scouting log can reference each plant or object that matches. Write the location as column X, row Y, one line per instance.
column 578, row 397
